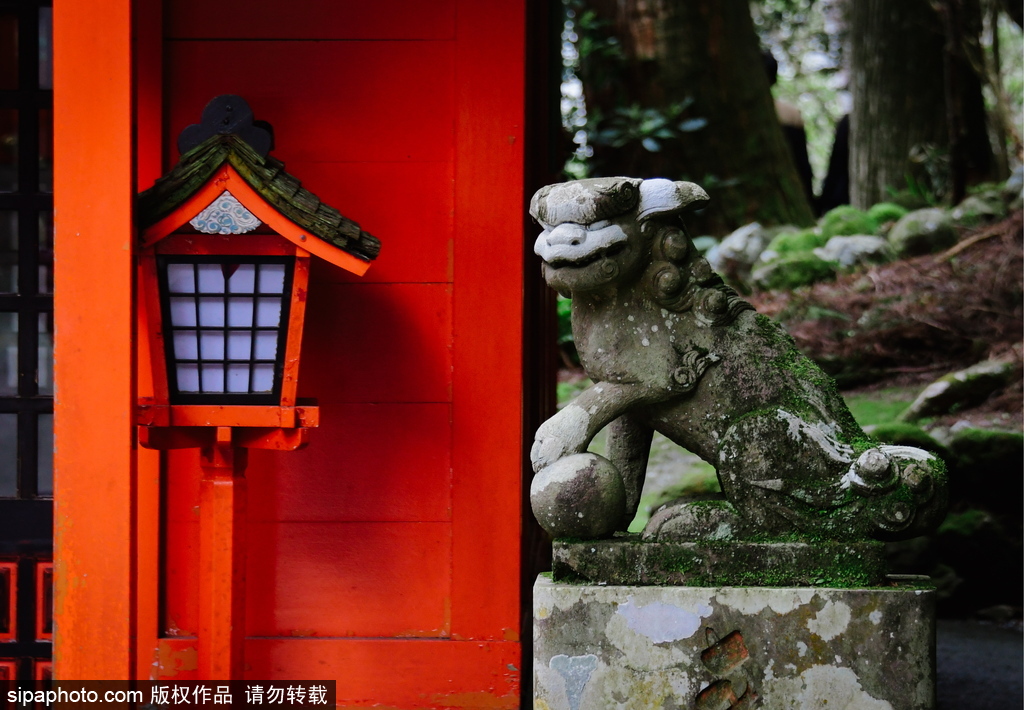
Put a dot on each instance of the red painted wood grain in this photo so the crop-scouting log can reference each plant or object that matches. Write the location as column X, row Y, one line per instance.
column 313, row 19
column 487, row 321
column 328, row 101
column 349, row 579
column 392, row 673
column 377, row 343
column 408, row 205
column 366, row 462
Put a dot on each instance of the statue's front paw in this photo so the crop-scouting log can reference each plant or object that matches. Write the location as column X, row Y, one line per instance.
column 545, row 451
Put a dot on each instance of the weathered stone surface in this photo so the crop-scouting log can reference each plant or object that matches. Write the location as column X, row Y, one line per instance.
column 637, row 648
column 672, row 349
column 855, row 249
column 629, row 561
column 961, row 389
column 579, row 496
column 922, row 232
column 735, row 254
column 978, row 209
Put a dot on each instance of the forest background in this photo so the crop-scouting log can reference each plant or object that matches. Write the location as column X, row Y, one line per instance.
column 674, row 89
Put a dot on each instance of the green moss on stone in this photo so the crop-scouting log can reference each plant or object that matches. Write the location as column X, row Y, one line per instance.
column 901, row 434
column 886, row 212
column 796, row 242
column 846, row 220
column 793, row 271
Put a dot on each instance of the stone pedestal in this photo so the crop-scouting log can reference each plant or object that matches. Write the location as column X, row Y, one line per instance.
column 716, row 648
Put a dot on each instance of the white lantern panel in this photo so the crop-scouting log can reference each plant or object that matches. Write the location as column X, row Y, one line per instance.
column 266, row 344
column 211, row 312
column 238, row 378
column 186, row 345
column 188, row 377
column 243, row 280
column 211, row 344
column 272, row 278
column 239, row 345
column 183, row 312
column 211, row 278
column 240, row 312
column 262, row 377
column 213, row 377
column 181, row 278
column 268, row 312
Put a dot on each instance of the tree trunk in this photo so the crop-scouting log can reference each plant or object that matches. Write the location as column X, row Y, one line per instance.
column 705, row 51
column 918, row 116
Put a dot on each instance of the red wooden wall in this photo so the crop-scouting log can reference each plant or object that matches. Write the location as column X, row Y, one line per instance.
column 386, row 555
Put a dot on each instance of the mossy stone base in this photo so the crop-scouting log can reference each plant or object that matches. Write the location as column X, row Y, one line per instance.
column 636, row 648
column 628, row 560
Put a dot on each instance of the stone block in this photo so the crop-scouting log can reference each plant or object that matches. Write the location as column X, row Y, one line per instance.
column 626, row 560
column 710, row 648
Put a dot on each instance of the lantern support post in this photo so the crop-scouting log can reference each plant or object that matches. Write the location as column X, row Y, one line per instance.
column 222, row 553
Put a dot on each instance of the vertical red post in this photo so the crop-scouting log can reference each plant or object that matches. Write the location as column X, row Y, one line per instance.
column 222, row 519
column 94, row 407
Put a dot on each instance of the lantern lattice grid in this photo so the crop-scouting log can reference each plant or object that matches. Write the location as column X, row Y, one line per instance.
column 226, row 325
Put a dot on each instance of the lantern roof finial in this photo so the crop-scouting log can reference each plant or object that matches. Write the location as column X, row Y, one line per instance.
column 228, row 135
column 228, row 115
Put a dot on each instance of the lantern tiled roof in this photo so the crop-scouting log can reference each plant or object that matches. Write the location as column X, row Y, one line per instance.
column 266, row 175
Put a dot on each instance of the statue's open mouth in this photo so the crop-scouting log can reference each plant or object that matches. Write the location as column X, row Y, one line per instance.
column 591, row 258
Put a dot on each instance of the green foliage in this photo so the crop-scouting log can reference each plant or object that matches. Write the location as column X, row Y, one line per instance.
column 910, row 198
column 649, row 127
column 846, row 220
column 795, row 242
column 564, row 306
column 933, row 181
column 886, row 212
column 634, row 128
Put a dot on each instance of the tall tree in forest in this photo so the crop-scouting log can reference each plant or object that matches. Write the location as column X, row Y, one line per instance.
column 678, row 89
column 918, row 119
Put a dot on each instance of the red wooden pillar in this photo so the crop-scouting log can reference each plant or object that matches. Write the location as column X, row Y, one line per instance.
column 222, row 521
column 94, row 352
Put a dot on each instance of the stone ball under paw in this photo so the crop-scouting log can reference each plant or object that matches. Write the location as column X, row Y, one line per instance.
column 580, row 496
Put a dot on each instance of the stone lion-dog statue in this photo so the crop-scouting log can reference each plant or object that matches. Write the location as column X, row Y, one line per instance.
column 670, row 348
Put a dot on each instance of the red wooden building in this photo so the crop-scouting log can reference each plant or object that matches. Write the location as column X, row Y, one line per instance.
column 386, row 555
